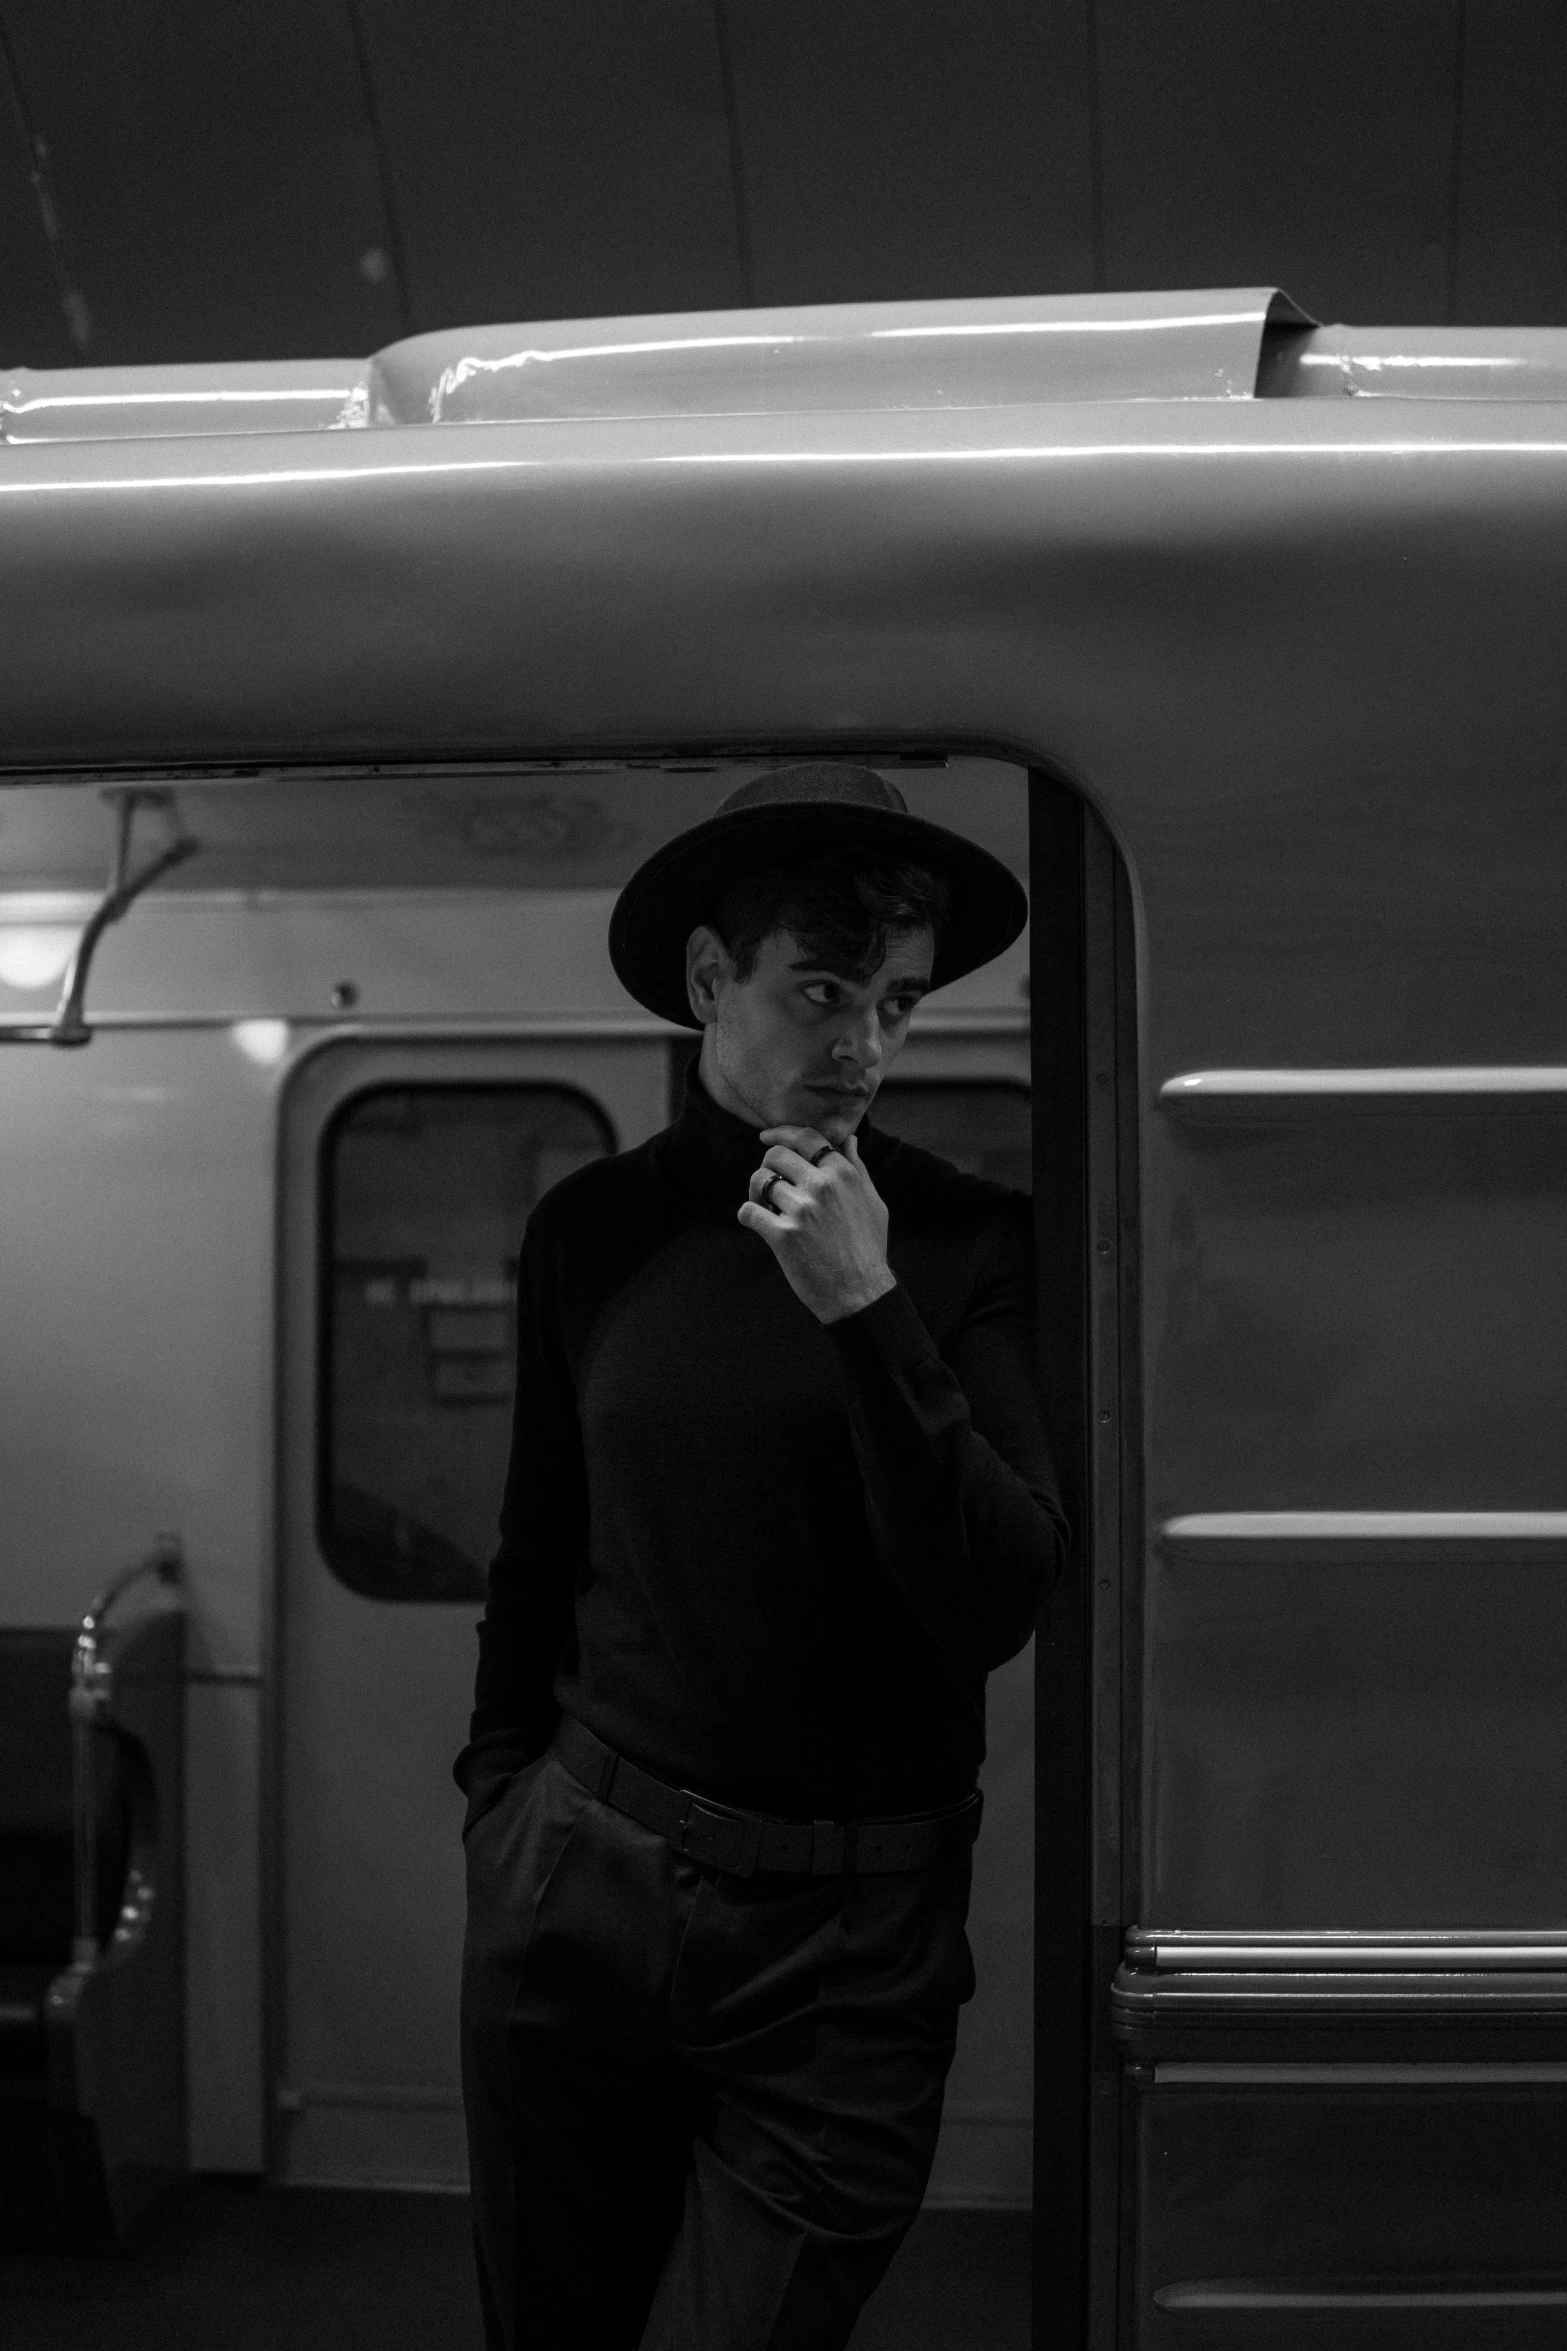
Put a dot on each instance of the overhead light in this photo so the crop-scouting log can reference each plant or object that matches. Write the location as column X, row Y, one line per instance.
column 262, row 1041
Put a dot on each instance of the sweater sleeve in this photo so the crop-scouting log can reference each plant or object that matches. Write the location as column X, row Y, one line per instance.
column 960, row 1487
column 528, row 1613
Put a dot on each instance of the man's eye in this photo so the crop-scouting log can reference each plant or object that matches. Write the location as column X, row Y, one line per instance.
column 820, row 992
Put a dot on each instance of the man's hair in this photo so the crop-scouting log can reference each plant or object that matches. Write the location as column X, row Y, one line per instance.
column 844, row 908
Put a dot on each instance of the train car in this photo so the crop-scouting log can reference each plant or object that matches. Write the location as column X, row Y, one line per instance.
column 1240, row 638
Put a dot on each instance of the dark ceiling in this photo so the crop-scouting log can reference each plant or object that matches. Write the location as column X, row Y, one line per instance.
column 222, row 179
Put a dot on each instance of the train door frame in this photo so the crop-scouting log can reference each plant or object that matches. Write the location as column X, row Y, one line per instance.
column 1083, row 968
column 1083, row 1076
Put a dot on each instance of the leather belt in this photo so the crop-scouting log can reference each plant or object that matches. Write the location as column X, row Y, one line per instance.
column 743, row 1842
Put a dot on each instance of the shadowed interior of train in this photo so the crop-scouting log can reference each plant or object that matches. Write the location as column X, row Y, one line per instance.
column 383, row 1007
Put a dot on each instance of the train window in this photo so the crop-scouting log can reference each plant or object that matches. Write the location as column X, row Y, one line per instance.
column 425, row 1191
column 983, row 1126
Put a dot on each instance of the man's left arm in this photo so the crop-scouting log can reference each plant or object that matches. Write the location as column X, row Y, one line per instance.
column 959, row 1484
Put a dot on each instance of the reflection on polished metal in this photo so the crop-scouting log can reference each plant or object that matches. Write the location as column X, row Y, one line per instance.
column 1364, row 1526
column 1245, row 1095
column 1356, row 1985
column 1250, row 342
column 989, row 353
column 1422, row 363
column 1342, row 1951
column 245, row 396
column 1435, row 2073
column 1257, row 2294
column 91, row 1697
column 1120, row 346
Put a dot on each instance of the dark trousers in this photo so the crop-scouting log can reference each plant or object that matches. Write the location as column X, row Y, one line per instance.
column 702, row 2109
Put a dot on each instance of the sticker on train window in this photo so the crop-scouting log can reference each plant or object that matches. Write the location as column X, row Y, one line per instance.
column 425, row 1191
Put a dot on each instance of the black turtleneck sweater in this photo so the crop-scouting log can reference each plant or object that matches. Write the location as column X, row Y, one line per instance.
column 767, row 1559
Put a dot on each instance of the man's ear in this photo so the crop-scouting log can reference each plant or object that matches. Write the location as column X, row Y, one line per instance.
column 708, row 964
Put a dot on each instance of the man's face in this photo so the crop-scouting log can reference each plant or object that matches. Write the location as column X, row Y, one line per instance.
column 796, row 1044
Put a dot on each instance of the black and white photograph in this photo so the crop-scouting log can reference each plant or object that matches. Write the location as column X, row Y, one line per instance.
column 783, row 1175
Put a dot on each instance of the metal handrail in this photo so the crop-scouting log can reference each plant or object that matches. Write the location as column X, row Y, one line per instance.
column 91, row 1692
column 69, row 1025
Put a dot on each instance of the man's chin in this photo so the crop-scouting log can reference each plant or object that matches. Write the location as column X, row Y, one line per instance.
column 835, row 1116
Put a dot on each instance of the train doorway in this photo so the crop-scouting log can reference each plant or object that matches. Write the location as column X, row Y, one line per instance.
column 394, row 1334
column 408, row 1172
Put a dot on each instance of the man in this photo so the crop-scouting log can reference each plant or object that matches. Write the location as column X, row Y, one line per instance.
column 779, row 1498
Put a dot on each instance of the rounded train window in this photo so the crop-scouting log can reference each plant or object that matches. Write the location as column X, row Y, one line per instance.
column 425, row 1191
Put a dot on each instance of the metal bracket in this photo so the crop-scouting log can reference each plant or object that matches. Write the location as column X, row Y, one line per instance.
column 91, row 1695
column 69, row 1025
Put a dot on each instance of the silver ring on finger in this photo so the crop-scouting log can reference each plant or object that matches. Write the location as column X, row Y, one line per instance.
column 765, row 1196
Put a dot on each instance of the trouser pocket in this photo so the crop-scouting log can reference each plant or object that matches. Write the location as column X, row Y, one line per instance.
column 501, row 1773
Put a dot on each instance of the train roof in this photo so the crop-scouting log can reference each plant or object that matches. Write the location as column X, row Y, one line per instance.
column 999, row 525
column 1225, row 344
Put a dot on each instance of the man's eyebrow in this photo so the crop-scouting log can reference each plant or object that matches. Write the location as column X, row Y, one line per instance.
column 807, row 963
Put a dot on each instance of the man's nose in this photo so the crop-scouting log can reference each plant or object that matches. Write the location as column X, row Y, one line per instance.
column 860, row 1041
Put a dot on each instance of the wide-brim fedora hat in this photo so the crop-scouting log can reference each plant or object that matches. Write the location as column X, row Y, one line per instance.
column 788, row 816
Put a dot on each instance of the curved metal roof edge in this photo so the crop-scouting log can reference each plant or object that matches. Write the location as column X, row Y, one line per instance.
column 1028, row 350
column 983, row 352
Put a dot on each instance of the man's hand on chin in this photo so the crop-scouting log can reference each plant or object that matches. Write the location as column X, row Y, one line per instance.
column 823, row 1219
